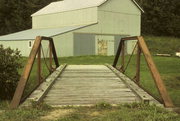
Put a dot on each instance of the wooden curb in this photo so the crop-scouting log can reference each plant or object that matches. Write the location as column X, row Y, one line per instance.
column 42, row 90
column 144, row 96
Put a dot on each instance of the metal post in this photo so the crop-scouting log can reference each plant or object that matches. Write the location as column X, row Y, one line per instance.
column 39, row 65
column 118, row 53
column 54, row 53
column 138, row 64
column 50, row 56
column 123, row 56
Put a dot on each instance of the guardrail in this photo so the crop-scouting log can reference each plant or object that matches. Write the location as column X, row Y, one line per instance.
column 142, row 48
column 36, row 51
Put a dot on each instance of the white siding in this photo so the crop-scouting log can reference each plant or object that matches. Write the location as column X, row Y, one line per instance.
column 22, row 46
column 69, row 18
column 120, row 17
column 120, row 6
column 117, row 23
column 64, row 44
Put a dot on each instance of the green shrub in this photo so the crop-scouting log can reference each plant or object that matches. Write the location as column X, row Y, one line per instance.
column 163, row 45
column 9, row 76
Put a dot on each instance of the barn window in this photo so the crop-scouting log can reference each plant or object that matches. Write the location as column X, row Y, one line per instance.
column 30, row 44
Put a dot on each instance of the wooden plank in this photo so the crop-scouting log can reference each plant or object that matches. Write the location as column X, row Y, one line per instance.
column 54, row 53
column 25, row 75
column 90, row 100
column 43, row 89
column 89, row 90
column 84, row 72
column 63, row 99
column 46, row 38
column 88, row 85
column 145, row 97
column 87, row 74
column 127, row 94
column 87, row 67
column 130, row 38
column 85, row 90
column 155, row 73
column 86, row 103
column 87, row 70
column 87, row 79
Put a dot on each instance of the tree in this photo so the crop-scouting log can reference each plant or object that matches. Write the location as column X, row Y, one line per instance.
column 161, row 17
column 15, row 15
column 9, row 67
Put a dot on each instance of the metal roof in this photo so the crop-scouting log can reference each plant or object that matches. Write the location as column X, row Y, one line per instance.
column 68, row 5
column 30, row 34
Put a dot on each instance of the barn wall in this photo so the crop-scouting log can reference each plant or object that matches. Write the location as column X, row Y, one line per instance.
column 120, row 17
column 64, row 44
column 23, row 46
column 120, row 6
column 68, row 18
column 116, row 23
column 116, row 17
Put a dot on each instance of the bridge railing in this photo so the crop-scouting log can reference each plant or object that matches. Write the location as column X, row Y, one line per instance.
column 141, row 47
column 36, row 53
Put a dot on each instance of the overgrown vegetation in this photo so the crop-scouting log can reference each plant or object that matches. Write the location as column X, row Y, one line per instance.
column 9, row 66
column 100, row 112
column 21, row 115
column 163, row 45
column 125, row 112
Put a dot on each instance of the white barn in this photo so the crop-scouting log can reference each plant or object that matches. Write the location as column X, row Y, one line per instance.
column 81, row 27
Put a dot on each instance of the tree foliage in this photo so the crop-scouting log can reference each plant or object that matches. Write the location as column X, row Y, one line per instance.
column 15, row 15
column 9, row 76
column 161, row 17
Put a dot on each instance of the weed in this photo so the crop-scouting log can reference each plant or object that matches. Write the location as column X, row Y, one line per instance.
column 103, row 105
column 40, row 106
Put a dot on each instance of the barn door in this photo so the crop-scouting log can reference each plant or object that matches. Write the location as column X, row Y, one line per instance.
column 104, row 45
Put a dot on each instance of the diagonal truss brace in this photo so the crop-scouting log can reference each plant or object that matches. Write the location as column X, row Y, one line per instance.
column 27, row 70
column 142, row 47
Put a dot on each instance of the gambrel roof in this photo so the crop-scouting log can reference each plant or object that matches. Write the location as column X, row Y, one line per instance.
column 68, row 5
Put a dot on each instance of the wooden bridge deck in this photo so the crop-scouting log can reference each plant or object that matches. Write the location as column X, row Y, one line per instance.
column 88, row 85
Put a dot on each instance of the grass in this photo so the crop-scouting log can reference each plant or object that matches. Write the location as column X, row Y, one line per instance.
column 99, row 112
column 167, row 66
column 164, row 45
column 125, row 112
column 25, row 114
